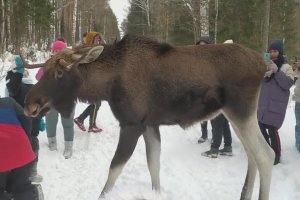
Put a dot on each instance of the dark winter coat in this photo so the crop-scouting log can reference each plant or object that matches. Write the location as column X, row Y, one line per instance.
column 274, row 97
column 18, row 90
column 15, row 127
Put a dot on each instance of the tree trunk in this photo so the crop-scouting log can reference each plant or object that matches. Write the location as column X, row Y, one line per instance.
column 216, row 20
column 204, row 17
column 3, row 41
column 265, row 39
column 74, row 23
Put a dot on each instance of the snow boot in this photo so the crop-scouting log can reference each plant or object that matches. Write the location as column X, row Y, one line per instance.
column 201, row 140
column 34, row 177
column 212, row 153
column 68, row 149
column 226, row 151
column 52, row 143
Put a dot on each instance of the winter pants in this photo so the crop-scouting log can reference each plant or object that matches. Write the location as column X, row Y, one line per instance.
column 16, row 182
column 270, row 134
column 91, row 111
column 297, row 127
column 220, row 127
column 204, row 129
column 67, row 123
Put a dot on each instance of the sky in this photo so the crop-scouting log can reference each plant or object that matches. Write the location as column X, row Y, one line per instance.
column 119, row 7
column 184, row 174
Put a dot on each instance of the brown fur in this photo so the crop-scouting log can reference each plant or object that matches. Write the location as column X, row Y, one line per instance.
column 148, row 84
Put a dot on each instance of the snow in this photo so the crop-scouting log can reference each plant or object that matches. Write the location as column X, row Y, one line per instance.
column 185, row 174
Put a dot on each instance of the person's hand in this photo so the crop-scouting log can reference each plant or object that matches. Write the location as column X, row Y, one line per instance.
column 271, row 66
column 268, row 73
column 296, row 65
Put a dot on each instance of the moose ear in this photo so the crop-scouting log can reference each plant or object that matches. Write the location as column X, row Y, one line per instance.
column 90, row 56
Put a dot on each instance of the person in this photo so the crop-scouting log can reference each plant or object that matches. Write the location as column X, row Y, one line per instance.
column 18, row 83
column 296, row 98
column 274, row 96
column 220, row 128
column 52, row 116
column 90, row 38
column 16, row 154
column 203, row 41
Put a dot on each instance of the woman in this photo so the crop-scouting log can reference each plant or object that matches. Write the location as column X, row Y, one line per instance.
column 274, row 96
column 52, row 115
column 90, row 38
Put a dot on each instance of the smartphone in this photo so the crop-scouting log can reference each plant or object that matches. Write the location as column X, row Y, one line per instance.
column 267, row 57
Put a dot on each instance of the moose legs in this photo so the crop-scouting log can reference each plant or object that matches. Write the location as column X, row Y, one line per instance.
column 129, row 136
column 153, row 148
column 260, row 156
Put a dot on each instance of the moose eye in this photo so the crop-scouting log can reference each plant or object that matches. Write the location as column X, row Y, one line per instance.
column 58, row 73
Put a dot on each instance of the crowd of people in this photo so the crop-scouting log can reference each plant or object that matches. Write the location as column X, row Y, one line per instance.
column 273, row 100
column 19, row 177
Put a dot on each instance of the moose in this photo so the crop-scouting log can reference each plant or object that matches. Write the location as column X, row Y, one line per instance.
column 148, row 83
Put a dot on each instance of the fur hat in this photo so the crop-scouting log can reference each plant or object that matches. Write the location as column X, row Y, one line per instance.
column 277, row 45
column 58, row 45
column 90, row 37
column 204, row 39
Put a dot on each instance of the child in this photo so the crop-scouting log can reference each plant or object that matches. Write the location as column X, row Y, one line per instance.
column 16, row 154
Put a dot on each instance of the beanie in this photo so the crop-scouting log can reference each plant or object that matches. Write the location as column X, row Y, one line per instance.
column 58, row 45
column 277, row 45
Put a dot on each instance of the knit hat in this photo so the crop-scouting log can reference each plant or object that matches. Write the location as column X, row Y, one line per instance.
column 58, row 45
column 90, row 37
column 204, row 39
column 277, row 45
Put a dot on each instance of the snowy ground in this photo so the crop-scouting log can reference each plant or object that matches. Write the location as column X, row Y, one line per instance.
column 185, row 174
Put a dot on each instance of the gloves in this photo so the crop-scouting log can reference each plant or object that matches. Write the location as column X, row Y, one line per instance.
column 272, row 67
column 42, row 124
column 268, row 73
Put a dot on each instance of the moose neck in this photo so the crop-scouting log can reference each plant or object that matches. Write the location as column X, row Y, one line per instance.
column 97, row 81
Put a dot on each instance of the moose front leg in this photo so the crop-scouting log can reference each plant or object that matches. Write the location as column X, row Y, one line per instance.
column 129, row 136
column 153, row 148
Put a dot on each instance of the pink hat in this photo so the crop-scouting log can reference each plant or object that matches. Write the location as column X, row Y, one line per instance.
column 58, row 45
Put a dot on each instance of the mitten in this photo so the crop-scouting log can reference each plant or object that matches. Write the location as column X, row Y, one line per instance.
column 42, row 124
column 268, row 73
column 272, row 67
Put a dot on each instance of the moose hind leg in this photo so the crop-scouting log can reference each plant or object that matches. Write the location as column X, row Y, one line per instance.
column 251, row 171
column 153, row 149
column 257, row 150
column 129, row 136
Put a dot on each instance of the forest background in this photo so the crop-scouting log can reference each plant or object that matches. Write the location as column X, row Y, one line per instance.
column 35, row 24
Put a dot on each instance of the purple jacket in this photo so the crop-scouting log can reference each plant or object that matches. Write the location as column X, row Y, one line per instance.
column 274, row 97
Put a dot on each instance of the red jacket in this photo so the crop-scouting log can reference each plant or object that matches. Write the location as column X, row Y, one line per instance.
column 15, row 147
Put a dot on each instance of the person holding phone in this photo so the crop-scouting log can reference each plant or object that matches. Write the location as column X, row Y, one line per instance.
column 274, row 96
column 296, row 98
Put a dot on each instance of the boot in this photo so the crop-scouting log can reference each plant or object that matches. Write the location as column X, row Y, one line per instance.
column 68, row 149
column 52, row 143
column 226, row 151
column 212, row 153
column 38, row 193
column 34, row 177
